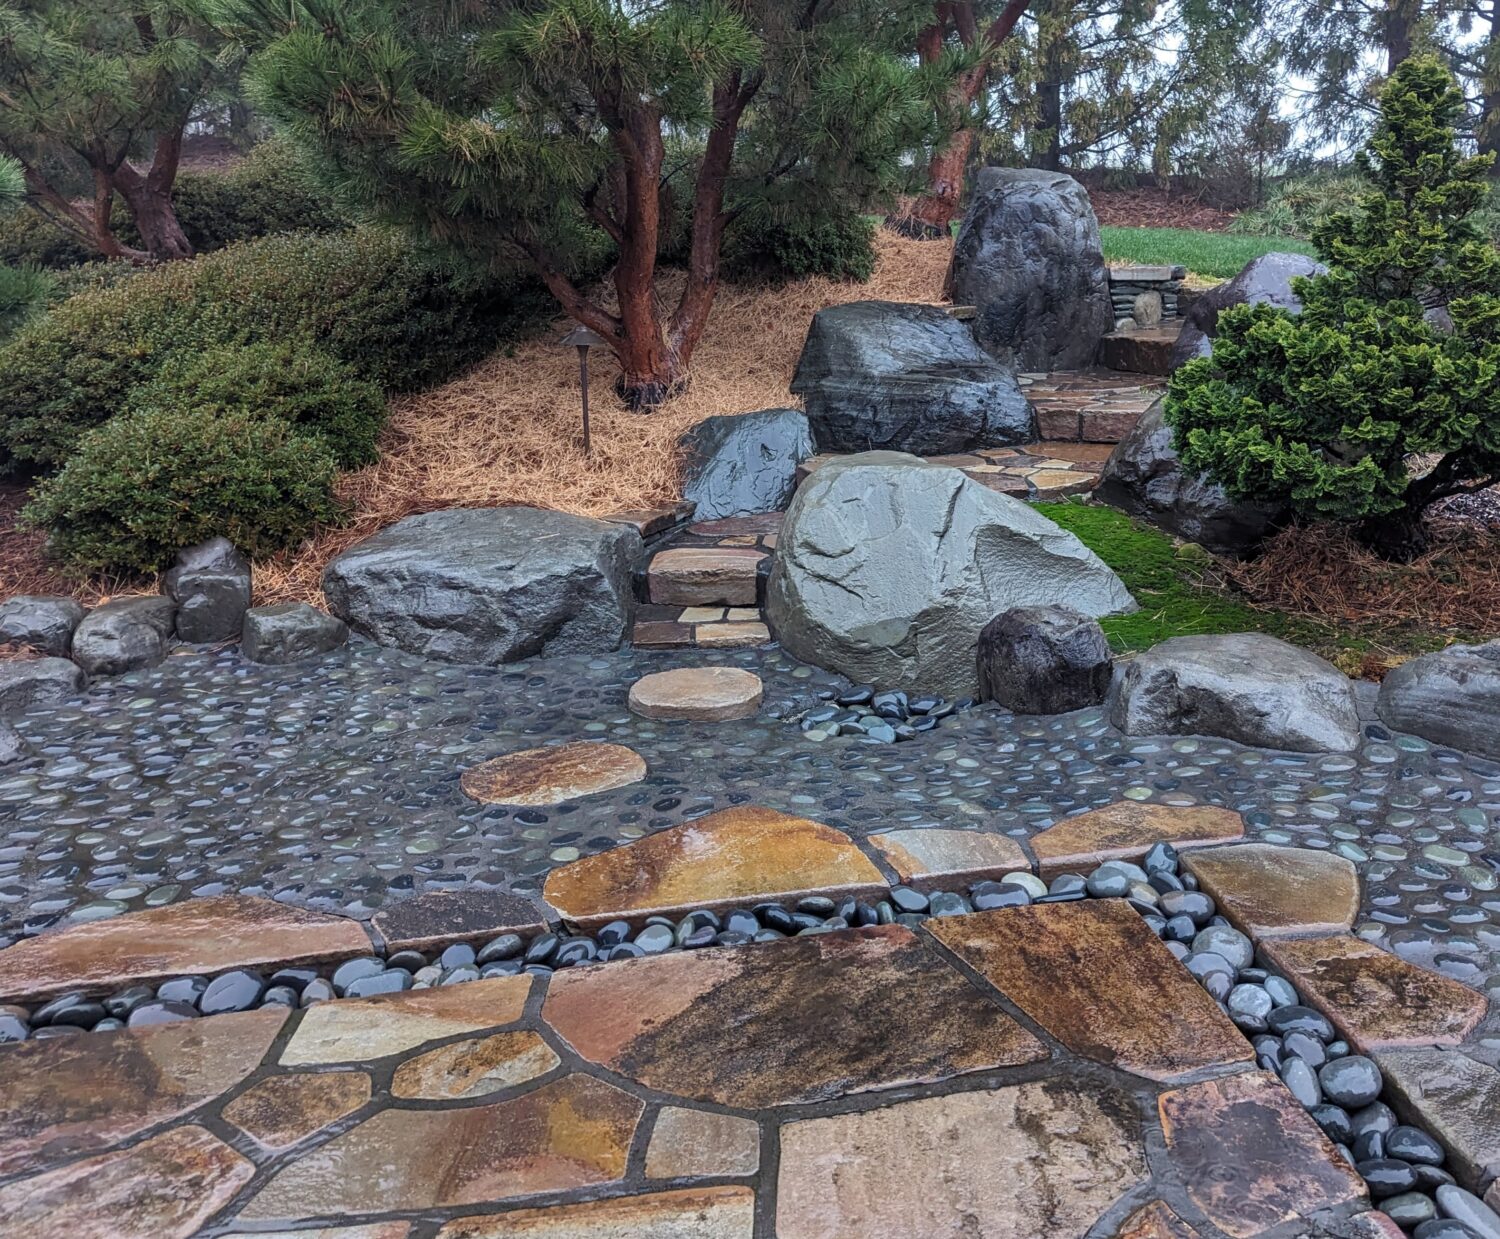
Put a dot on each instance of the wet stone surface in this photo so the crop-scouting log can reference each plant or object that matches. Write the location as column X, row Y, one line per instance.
column 334, row 784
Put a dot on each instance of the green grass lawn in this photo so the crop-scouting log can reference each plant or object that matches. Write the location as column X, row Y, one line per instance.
column 1217, row 255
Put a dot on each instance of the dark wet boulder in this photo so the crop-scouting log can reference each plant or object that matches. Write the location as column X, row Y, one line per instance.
column 210, row 583
column 1044, row 660
column 884, row 375
column 1267, row 279
column 27, row 682
column 1451, row 697
column 744, row 463
column 1028, row 258
column 43, row 622
column 287, row 632
column 125, row 635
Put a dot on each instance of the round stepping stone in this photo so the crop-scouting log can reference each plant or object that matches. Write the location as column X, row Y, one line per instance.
column 554, row 774
column 699, row 694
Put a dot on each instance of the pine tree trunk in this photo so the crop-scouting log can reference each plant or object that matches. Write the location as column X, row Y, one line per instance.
column 1049, row 119
column 1400, row 26
column 156, row 221
column 1488, row 129
column 1398, row 537
column 936, row 209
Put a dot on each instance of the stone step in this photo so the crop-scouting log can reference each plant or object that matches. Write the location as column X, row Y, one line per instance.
column 700, row 576
column 1141, row 352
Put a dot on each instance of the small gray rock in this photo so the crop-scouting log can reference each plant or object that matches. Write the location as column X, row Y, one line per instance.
column 27, row 682
column 124, row 635
column 746, row 463
column 45, row 622
column 1227, row 942
column 12, row 747
column 287, row 632
column 1044, row 660
column 1450, row 697
column 1467, row 1208
column 211, row 586
column 1352, row 1082
column 1299, row 1078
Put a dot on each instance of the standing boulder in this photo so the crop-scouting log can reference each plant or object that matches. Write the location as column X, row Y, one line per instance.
column 44, row 622
column 745, row 463
column 1265, row 279
column 1028, row 259
column 27, row 682
column 1044, row 660
column 125, row 635
column 1450, row 697
column 906, row 378
column 287, row 632
column 887, row 567
column 1144, row 477
column 1244, row 686
column 490, row 585
column 211, row 585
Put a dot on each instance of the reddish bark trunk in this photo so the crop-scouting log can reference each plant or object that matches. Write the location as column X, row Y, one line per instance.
column 149, row 198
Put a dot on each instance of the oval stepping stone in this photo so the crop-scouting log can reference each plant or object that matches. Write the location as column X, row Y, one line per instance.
column 553, row 775
column 698, row 694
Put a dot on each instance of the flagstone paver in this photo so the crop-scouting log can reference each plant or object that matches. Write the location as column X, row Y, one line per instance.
column 282, row 1110
column 474, row 1068
column 700, row 1142
column 206, row 935
column 1094, row 976
column 1249, row 1155
column 1454, row 1097
column 795, row 1021
column 441, row 917
column 60, row 1098
column 163, row 1188
column 553, row 775
column 697, row 694
column 1374, row 998
column 1127, row 830
column 689, row 1213
column 1054, row 1156
column 359, row 1030
column 1157, row 1220
column 725, row 858
column 573, row 1132
column 696, row 575
column 375, row 1230
column 1267, row 890
column 932, row 859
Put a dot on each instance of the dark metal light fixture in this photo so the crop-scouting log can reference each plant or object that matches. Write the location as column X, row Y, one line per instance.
column 584, row 339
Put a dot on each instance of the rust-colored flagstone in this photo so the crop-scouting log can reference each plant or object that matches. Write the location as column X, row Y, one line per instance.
column 697, row 694
column 162, row 1188
column 1158, row 1220
column 1250, row 1157
column 1094, row 976
column 1457, row 1099
column 441, row 917
column 699, row 1142
column 689, row 1213
column 1375, row 999
column 281, row 1110
column 60, row 1098
column 1045, row 1158
column 554, row 774
column 802, row 1020
column 928, row 859
column 474, row 1068
column 571, row 1133
column 1127, row 830
column 1266, row 891
column 207, row 935
column 374, row 1230
column 731, row 857
column 355, row 1030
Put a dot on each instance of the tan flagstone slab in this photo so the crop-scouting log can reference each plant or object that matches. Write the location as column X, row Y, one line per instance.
column 731, row 635
column 691, row 576
column 1267, row 891
column 354, row 1030
column 571, row 1133
column 802, row 1020
column 554, row 774
column 730, row 857
column 375, row 1230
column 697, row 694
column 440, row 917
column 162, row 1188
column 1454, row 1097
column 1250, row 1157
column 1375, row 999
column 1094, row 976
column 688, row 1213
column 1045, row 1158
column 1127, row 830
column 207, row 935
column 474, row 1068
column 1158, row 1220
column 63, row 1097
column 701, row 1143
column 928, row 859
column 281, row 1110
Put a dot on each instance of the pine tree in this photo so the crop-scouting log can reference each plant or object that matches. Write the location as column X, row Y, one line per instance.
column 1369, row 406
column 548, row 129
column 89, row 86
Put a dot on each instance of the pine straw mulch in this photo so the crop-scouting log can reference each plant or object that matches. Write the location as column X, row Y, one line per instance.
column 1155, row 208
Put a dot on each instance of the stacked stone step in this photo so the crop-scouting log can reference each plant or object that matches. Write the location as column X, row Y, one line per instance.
column 1145, row 295
column 709, row 591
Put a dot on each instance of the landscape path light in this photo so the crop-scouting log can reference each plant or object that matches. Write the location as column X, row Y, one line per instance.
column 584, row 339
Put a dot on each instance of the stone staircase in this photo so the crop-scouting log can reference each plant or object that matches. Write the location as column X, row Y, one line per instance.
column 707, row 589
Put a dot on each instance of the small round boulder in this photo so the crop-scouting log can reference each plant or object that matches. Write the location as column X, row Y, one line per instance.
column 1044, row 660
column 698, row 694
column 553, row 775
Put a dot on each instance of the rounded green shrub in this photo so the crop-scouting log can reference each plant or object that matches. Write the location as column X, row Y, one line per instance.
column 772, row 248
column 149, row 483
column 303, row 386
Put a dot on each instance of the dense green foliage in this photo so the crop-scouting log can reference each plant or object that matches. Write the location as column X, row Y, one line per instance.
column 770, row 248
column 148, row 483
column 303, row 386
column 22, row 290
column 1216, row 255
column 1324, row 409
column 1297, row 206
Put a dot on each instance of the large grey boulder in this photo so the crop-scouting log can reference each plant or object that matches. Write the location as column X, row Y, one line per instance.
column 1265, row 279
column 744, row 463
column 1044, row 660
column 1243, row 686
column 1145, row 477
column 45, row 622
column 1028, row 258
column 27, row 682
column 210, row 583
column 1450, row 697
column 490, row 585
column 907, row 378
column 125, row 635
column 887, row 567
column 287, row 632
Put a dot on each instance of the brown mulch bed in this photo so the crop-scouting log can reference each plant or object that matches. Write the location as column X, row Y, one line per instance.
column 1155, row 208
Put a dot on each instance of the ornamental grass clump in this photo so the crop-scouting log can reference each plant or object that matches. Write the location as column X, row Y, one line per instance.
column 1383, row 395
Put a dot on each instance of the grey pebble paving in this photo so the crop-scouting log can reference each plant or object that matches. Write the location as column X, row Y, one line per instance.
column 333, row 784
